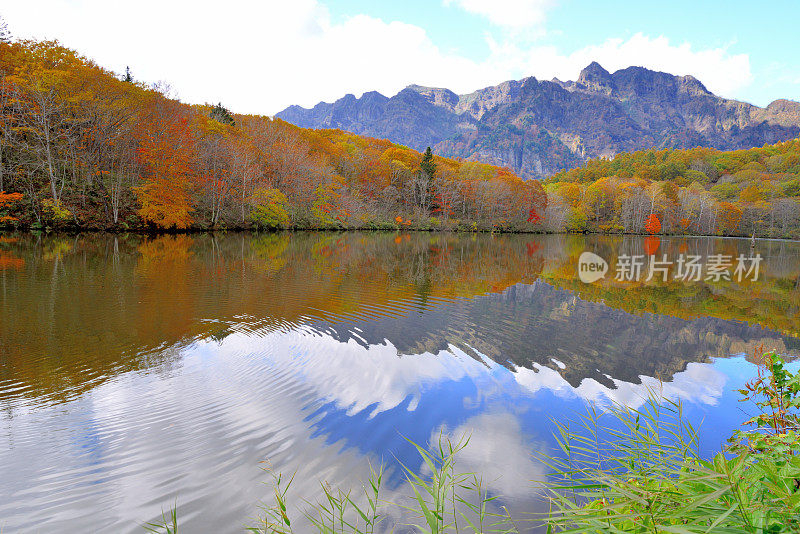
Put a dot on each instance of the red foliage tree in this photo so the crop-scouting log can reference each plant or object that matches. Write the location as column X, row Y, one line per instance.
column 652, row 225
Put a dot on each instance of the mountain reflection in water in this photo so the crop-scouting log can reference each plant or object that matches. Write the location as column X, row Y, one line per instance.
column 135, row 370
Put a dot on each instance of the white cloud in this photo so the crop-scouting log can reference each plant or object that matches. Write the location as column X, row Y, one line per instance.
column 259, row 57
column 500, row 451
column 722, row 72
column 515, row 14
column 256, row 57
column 699, row 383
column 354, row 377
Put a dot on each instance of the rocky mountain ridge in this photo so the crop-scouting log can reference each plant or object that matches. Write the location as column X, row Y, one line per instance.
column 539, row 127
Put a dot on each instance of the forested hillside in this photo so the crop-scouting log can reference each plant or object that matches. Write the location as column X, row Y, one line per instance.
column 700, row 191
column 82, row 148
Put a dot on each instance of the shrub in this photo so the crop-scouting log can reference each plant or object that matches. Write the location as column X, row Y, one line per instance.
column 269, row 208
column 724, row 191
column 791, row 188
column 576, row 220
column 55, row 211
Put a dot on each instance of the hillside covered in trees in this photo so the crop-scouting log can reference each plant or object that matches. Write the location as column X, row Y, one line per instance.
column 82, row 148
column 696, row 191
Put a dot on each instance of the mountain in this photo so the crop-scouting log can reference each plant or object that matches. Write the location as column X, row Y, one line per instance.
column 539, row 127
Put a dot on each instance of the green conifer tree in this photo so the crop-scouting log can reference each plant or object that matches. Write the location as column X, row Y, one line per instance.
column 221, row 114
column 428, row 171
column 427, row 165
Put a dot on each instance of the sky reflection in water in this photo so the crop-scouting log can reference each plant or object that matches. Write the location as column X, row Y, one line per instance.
column 139, row 371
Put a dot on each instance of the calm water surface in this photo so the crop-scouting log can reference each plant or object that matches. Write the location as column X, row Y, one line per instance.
column 135, row 371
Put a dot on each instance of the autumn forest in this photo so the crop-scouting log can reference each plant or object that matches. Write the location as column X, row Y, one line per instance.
column 83, row 148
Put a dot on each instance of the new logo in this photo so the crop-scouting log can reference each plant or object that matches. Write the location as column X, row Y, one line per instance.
column 591, row 267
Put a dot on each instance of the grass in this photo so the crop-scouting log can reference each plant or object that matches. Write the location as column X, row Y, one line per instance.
column 619, row 471
column 168, row 523
column 643, row 471
column 445, row 500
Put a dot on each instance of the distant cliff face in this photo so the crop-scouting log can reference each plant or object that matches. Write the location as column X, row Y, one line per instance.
column 539, row 127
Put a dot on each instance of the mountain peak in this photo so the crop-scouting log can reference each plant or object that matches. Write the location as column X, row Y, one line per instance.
column 373, row 96
column 435, row 95
column 594, row 74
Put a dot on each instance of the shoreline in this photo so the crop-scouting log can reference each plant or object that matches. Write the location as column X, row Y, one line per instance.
column 194, row 231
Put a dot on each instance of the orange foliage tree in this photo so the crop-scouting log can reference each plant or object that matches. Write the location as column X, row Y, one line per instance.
column 729, row 216
column 165, row 152
column 652, row 225
column 5, row 200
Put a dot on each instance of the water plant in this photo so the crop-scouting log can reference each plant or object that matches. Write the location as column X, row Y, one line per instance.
column 642, row 471
column 441, row 499
column 168, row 523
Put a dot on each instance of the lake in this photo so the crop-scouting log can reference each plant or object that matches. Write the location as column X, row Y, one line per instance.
column 138, row 372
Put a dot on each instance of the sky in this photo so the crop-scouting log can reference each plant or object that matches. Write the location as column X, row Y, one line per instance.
column 262, row 56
